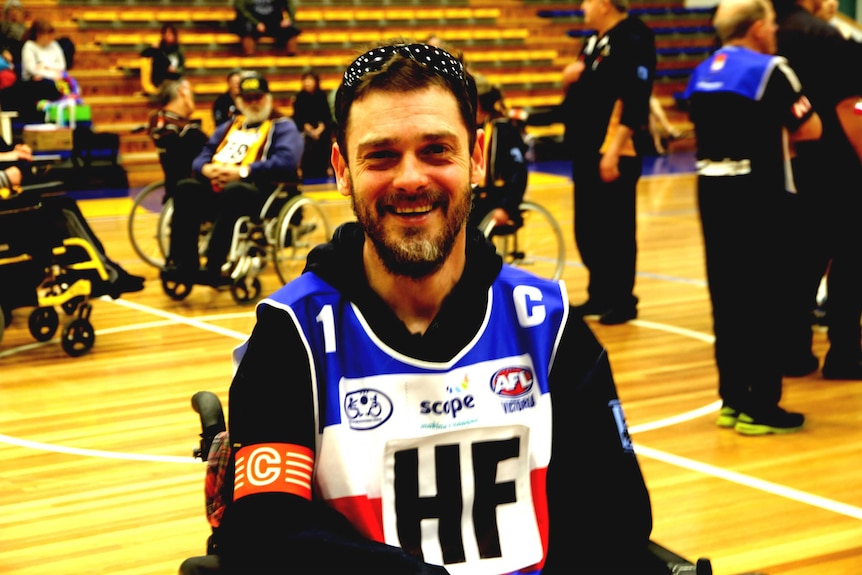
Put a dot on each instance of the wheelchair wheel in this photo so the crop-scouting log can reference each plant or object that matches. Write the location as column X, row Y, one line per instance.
column 536, row 246
column 245, row 291
column 78, row 337
column 302, row 225
column 149, row 224
column 176, row 290
column 43, row 323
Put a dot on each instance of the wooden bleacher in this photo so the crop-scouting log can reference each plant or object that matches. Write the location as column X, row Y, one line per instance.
column 520, row 44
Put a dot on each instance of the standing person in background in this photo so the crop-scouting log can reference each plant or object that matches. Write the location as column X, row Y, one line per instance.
column 743, row 101
column 313, row 117
column 169, row 61
column 273, row 18
column 827, row 172
column 224, row 106
column 607, row 101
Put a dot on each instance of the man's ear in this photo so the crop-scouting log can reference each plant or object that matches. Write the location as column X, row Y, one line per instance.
column 342, row 173
column 477, row 160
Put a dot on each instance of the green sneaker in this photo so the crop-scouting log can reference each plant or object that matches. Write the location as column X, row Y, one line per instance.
column 777, row 421
column 727, row 417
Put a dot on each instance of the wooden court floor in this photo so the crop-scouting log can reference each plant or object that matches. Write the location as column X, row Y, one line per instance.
column 96, row 473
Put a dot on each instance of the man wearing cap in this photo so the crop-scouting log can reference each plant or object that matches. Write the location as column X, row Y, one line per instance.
column 239, row 166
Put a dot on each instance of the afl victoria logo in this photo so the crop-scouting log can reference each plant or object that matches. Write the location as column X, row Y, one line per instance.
column 366, row 409
column 512, row 382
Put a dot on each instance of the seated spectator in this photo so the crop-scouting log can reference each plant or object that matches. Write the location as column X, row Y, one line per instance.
column 59, row 217
column 12, row 30
column 313, row 117
column 239, row 166
column 43, row 69
column 224, row 107
column 272, row 18
column 178, row 137
column 505, row 180
column 169, row 61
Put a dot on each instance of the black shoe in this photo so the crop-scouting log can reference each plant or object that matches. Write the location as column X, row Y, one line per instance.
column 775, row 420
column 589, row 307
column 126, row 283
column 835, row 367
column 213, row 278
column 800, row 367
column 173, row 273
column 618, row 316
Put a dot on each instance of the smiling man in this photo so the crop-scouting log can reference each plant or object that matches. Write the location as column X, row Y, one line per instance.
column 409, row 404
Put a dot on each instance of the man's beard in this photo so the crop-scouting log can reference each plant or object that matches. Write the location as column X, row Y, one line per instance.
column 256, row 117
column 415, row 254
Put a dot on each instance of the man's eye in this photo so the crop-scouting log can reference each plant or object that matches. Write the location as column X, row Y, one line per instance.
column 435, row 149
column 379, row 155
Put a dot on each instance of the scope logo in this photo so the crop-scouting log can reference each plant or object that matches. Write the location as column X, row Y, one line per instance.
column 458, row 401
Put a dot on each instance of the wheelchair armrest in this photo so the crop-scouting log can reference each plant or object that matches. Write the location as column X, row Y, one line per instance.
column 208, row 405
column 679, row 565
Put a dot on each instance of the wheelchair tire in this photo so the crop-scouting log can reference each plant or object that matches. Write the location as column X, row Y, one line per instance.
column 536, row 246
column 245, row 292
column 149, row 224
column 176, row 290
column 302, row 224
column 43, row 323
column 78, row 337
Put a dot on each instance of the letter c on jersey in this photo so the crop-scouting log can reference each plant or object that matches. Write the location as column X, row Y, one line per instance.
column 527, row 305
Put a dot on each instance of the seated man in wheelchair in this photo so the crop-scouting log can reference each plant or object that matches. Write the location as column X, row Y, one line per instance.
column 392, row 410
column 177, row 136
column 240, row 165
column 58, row 217
column 505, row 161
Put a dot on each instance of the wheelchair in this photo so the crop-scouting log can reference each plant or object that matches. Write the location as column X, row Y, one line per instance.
column 35, row 273
column 291, row 224
column 534, row 244
column 214, row 450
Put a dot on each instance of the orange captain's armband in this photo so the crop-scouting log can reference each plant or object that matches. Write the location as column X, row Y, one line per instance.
column 273, row 468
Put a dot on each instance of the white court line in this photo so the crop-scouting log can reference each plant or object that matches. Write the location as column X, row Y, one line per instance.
column 193, row 322
column 641, row 450
column 95, row 452
column 752, row 482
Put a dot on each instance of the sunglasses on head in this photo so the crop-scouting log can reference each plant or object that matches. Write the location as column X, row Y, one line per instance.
column 374, row 60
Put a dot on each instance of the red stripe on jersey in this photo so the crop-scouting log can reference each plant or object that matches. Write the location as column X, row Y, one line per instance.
column 273, row 468
column 538, row 482
column 365, row 514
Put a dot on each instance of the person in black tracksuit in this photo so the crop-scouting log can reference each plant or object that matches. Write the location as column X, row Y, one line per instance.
column 606, row 102
column 742, row 100
column 828, row 174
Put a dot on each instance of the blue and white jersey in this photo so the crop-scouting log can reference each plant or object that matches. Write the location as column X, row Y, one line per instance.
column 446, row 460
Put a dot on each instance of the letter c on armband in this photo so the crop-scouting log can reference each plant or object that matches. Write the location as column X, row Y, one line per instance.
column 273, row 468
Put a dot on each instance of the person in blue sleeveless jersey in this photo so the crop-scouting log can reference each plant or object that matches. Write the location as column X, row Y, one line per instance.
column 744, row 101
column 409, row 404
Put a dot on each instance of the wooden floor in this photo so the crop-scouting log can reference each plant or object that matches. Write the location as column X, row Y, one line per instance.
column 96, row 474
